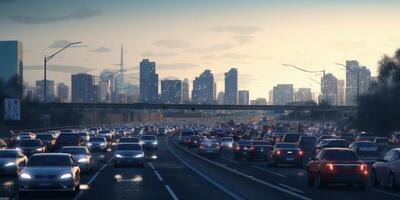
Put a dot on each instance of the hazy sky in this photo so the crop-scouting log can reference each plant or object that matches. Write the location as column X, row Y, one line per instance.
column 185, row 37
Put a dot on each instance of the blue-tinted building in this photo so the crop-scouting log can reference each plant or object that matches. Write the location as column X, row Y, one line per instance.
column 148, row 82
column 11, row 65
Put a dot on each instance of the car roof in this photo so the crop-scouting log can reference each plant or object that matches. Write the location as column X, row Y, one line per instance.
column 52, row 154
column 73, row 147
column 337, row 149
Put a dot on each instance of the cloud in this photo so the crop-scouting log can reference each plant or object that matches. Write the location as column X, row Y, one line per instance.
column 158, row 54
column 60, row 68
column 213, row 48
column 241, row 30
column 176, row 66
column 102, row 50
column 173, row 44
column 62, row 43
column 243, row 39
column 82, row 13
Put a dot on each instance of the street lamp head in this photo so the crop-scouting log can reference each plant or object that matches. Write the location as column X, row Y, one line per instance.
column 73, row 43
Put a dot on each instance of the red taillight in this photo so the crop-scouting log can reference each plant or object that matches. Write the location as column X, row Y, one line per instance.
column 364, row 167
column 251, row 149
column 329, row 166
column 237, row 148
column 278, row 152
column 301, row 153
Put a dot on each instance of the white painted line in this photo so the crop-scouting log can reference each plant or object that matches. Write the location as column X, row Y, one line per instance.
column 151, row 166
column 384, row 192
column 231, row 161
column 291, row 188
column 216, row 184
column 93, row 177
column 289, row 192
column 171, row 192
column 158, row 175
column 220, row 163
column 270, row 172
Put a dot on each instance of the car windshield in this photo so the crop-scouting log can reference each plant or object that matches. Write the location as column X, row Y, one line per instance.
column 148, row 137
column 382, row 140
column 307, row 140
column 285, row 145
column 73, row 150
column 49, row 161
column 366, row 144
column 128, row 147
column 292, row 137
column 226, row 140
column 260, row 143
column 338, row 143
column 30, row 143
column 129, row 140
column 8, row 154
column 244, row 142
column 44, row 137
column 340, row 155
column 104, row 132
column 96, row 140
column 83, row 134
column 68, row 137
column 187, row 133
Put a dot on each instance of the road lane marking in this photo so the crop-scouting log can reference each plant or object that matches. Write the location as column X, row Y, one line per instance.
column 289, row 192
column 158, row 175
column 151, row 166
column 271, row 172
column 384, row 192
column 171, row 192
column 201, row 174
column 231, row 161
column 291, row 188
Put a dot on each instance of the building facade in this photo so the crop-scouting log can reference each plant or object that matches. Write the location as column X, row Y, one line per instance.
column 171, row 91
column 203, row 88
column 11, row 65
column 49, row 90
column 282, row 94
column 185, row 91
column 329, row 89
column 62, row 92
column 83, row 89
column 244, row 96
column 303, row 95
column 148, row 82
column 231, row 87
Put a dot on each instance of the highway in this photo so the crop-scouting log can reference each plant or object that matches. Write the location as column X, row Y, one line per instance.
column 176, row 172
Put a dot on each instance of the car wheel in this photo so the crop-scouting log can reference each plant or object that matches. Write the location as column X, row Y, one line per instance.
column 374, row 179
column 310, row 180
column 320, row 183
column 392, row 181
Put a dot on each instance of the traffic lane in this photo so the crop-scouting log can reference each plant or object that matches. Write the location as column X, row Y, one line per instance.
column 247, row 187
column 186, row 183
column 126, row 182
column 295, row 179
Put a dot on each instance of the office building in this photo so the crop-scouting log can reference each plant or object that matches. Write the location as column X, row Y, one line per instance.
column 148, row 82
column 244, row 97
column 11, row 65
column 341, row 94
column 83, row 89
column 221, row 98
column 303, row 95
column 329, row 89
column 171, row 91
column 185, row 91
column 62, row 92
column 259, row 102
column 282, row 94
column 105, row 86
column 203, row 88
column 231, row 87
column 358, row 79
column 40, row 90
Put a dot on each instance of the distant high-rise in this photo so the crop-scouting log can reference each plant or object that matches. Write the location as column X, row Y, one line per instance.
column 132, row 93
column 11, row 65
column 354, row 88
column 185, row 91
column 329, row 89
column 244, row 97
column 220, row 98
column 365, row 80
column 40, row 90
column 282, row 94
column 231, row 87
column 341, row 93
column 83, row 89
column 62, row 92
column 120, row 77
column 105, row 86
column 148, row 82
column 203, row 88
column 171, row 91
column 259, row 101
column 303, row 95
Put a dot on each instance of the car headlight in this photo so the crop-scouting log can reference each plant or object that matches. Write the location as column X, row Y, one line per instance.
column 89, row 144
column 18, row 149
column 155, row 142
column 141, row 142
column 102, row 144
column 139, row 155
column 83, row 160
column 18, row 138
column 66, row 176
column 9, row 164
column 38, row 149
column 25, row 176
column 118, row 156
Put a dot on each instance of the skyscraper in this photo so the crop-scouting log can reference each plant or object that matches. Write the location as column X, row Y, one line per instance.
column 203, row 88
column 83, row 88
column 231, row 87
column 358, row 79
column 303, row 95
column 62, row 92
column 40, row 90
column 171, row 91
column 105, row 86
column 220, row 98
column 11, row 65
column 282, row 94
column 120, row 77
column 185, row 91
column 329, row 89
column 244, row 97
column 341, row 93
column 148, row 82
column 365, row 80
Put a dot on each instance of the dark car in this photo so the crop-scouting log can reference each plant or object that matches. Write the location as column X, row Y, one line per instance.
column 387, row 170
column 291, row 137
column 48, row 139
column 307, row 144
column 366, row 150
column 337, row 165
column 149, row 142
column 259, row 149
column 68, row 139
column 195, row 141
column 286, row 153
column 184, row 137
column 331, row 143
column 129, row 140
column 30, row 147
column 347, row 136
column 382, row 143
column 241, row 148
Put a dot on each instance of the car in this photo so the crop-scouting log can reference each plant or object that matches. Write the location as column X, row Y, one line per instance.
column 128, row 153
column 68, row 139
column 323, row 137
column 241, row 148
column 226, row 143
column 291, row 137
column 195, row 141
column 337, row 165
column 48, row 140
column 259, row 149
column 387, row 170
column 67, row 131
column 149, row 142
column 30, row 147
column 129, row 139
column 307, row 144
column 286, row 153
column 49, row 172
column 395, row 137
column 382, row 143
column 3, row 144
column 365, row 137
column 209, row 146
column 11, row 161
column 26, row 136
column 184, row 137
column 366, row 150
column 106, row 133
column 276, row 137
column 81, row 156
column 347, row 136
column 330, row 143
column 97, row 144
column 85, row 136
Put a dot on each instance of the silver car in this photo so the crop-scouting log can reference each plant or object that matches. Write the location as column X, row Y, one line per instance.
column 129, row 153
column 226, row 143
column 209, row 146
column 81, row 156
column 149, row 142
column 49, row 172
column 11, row 161
column 97, row 144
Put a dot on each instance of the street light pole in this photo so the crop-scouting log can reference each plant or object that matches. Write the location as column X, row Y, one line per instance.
column 46, row 60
